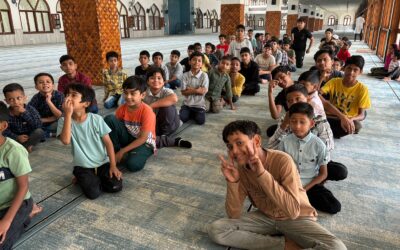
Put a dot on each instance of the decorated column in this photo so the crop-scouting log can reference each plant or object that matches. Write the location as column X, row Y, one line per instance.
column 311, row 19
column 293, row 14
column 273, row 17
column 232, row 14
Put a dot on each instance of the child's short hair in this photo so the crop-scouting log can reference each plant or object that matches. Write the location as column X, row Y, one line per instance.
column 111, row 54
column 235, row 59
column 355, row 60
column 397, row 54
column 211, row 45
column 144, row 53
column 197, row 45
column 280, row 69
column 11, row 87
column 323, row 51
column 329, row 30
column 64, row 58
column 302, row 108
column 196, row 53
column 158, row 53
column 345, row 38
column 348, row 43
column 268, row 45
column 250, row 30
column 246, row 127
column 87, row 92
column 296, row 88
column 301, row 20
column 240, row 26
column 244, row 50
column 176, row 52
column 222, row 35
column 339, row 61
column 4, row 112
column 310, row 76
column 153, row 70
column 257, row 35
column 226, row 58
column 135, row 83
column 191, row 47
column 35, row 79
column 286, row 41
column 274, row 39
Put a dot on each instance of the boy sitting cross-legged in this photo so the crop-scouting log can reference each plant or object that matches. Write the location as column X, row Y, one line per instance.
column 237, row 79
column 175, row 70
column 94, row 161
column 113, row 78
column 16, row 205
column 144, row 58
column 48, row 102
column 194, row 88
column 219, row 80
column 163, row 101
column 158, row 58
column 24, row 124
column 250, row 70
column 133, row 126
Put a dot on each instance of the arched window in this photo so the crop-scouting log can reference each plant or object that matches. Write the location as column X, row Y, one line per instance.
column 154, row 18
column 58, row 23
column 331, row 20
column 260, row 22
column 214, row 21
column 208, row 19
column 139, row 17
column 199, row 19
column 5, row 18
column 347, row 20
column 123, row 19
column 251, row 21
column 35, row 16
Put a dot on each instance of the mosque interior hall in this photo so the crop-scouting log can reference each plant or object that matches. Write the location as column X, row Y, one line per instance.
column 173, row 200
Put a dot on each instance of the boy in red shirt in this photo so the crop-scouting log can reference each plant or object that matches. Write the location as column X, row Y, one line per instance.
column 344, row 53
column 223, row 46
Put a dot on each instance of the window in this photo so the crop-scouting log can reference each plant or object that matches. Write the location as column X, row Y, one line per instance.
column 35, row 16
column 305, row 11
column 139, row 17
column 60, row 24
column 208, row 19
column 154, row 18
column 260, row 22
column 273, row 2
column 331, row 20
column 284, row 23
column 5, row 18
column 251, row 21
column 123, row 19
column 312, row 13
column 293, row 7
column 214, row 20
column 346, row 20
column 199, row 19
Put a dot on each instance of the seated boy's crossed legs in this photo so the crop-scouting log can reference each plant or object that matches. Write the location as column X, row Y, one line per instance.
column 214, row 106
column 113, row 101
column 198, row 114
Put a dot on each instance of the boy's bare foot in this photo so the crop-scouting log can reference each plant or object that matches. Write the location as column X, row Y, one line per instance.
column 74, row 180
column 36, row 209
column 30, row 149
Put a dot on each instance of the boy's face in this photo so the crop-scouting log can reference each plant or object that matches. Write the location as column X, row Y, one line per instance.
column 328, row 34
column 198, row 48
column 190, row 51
column 311, row 88
column 235, row 66
column 222, row 40
column 295, row 97
column 44, row 84
column 250, row 33
column 208, row 49
column 157, row 60
column 345, row 46
column 245, row 58
column 300, row 124
column 224, row 65
column 113, row 63
column 239, row 146
column 76, row 99
column 69, row 67
column 351, row 72
column 16, row 99
column 275, row 46
column 300, row 25
column 267, row 37
column 286, row 47
column 133, row 97
column 324, row 62
column 144, row 60
column 284, row 79
column 336, row 66
column 267, row 51
column 155, row 82
column 232, row 38
column 196, row 62
column 173, row 58
column 240, row 33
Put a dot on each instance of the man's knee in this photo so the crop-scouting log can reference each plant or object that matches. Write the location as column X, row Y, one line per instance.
column 135, row 164
column 216, row 231
column 336, row 244
column 109, row 119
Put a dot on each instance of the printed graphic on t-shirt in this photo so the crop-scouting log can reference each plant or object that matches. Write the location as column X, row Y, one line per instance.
column 134, row 129
column 343, row 102
column 5, row 174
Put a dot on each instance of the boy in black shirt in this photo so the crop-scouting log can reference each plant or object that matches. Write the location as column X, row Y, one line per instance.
column 299, row 38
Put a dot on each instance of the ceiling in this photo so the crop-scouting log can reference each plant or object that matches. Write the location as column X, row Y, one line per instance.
column 333, row 5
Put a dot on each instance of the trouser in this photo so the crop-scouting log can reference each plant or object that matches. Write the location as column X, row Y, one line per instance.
column 198, row 114
column 214, row 106
column 267, row 77
column 50, row 129
column 137, row 157
column 322, row 198
column 34, row 138
column 255, row 230
column 167, row 122
column 95, row 180
column 271, row 130
column 113, row 101
column 18, row 225
column 337, row 129
column 292, row 68
column 235, row 98
column 251, row 89
column 355, row 36
column 299, row 57
column 173, row 84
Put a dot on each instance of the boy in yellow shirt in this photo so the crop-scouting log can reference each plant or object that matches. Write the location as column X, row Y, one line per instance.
column 237, row 79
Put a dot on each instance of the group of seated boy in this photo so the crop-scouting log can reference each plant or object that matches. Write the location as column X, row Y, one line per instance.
column 323, row 104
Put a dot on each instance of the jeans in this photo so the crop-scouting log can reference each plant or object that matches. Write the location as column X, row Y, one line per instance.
column 198, row 114
column 34, row 138
column 173, row 84
column 113, row 101
column 50, row 129
column 299, row 57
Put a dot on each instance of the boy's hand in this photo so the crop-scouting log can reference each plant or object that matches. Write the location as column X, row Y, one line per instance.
column 4, row 226
column 347, row 124
column 119, row 155
column 17, row 110
column 48, row 97
column 254, row 161
column 67, row 107
column 285, row 123
column 114, row 171
column 22, row 138
column 271, row 86
column 228, row 169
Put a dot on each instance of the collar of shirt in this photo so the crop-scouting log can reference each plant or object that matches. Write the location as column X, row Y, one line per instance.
column 197, row 75
column 150, row 94
column 306, row 138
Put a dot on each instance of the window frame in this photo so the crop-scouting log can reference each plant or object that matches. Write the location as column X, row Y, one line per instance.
column 153, row 11
column 139, row 17
column 8, row 11
column 35, row 18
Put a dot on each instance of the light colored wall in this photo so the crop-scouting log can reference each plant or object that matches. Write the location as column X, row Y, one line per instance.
column 205, row 5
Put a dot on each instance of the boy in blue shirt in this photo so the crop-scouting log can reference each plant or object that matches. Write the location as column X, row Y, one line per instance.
column 24, row 124
column 47, row 102
column 310, row 155
column 95, row 167
column 16, row 205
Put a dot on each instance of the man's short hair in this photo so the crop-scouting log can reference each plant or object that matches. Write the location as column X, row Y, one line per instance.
column 4, row 112
column 135, row 83
column 35, row 79
column 176, row 52
column 153, row 70
column 144, row 53
column 240, row 26
column 246, row 127
column 297, row 88
column 111, row 54
column 280, row 69
column 244, row 50
column 64, row 58
column 87, row 92
column 323, row 51
column 196, row 53
column 355, row 60
column 11, row 87
column 302, row 108
column 158, row 53
column 310, row 76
